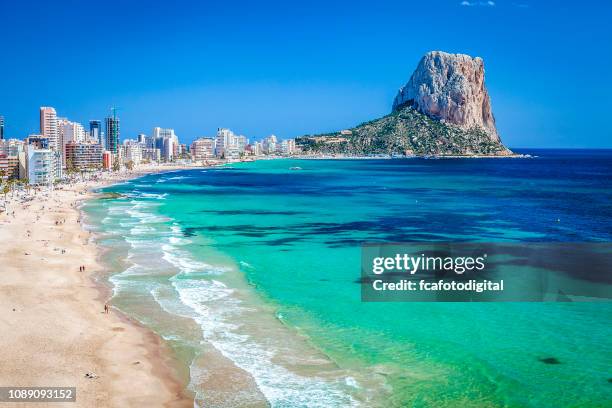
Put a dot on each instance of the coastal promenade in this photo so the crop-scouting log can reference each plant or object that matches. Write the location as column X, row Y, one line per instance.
column 52, row 320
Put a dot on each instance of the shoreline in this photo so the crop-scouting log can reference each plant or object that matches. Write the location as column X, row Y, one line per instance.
column 54, row 314
column 224, row 381
column 389, row 157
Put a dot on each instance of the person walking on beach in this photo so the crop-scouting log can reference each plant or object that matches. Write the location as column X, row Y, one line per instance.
column 106, row 308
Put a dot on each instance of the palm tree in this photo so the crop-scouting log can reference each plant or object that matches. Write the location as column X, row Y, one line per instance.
column 12, row 183
column 26, row 184
column 5, row 190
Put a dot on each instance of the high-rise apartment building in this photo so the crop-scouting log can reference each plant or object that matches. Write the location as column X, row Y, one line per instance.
column 287, row 147
column 132, row 151
column 203, row 148
column 222, row 141
column 151, row 154
column 95, row 132
column 48, row 126
column 181, row 151
column 1, row 127
column 166, row 141
column 9, row 167
column 237, row 144
column 83, row 156
column 257, row 149
column 69, row 132
column 228, row 144
column 112, row 133
column 40, row 166
column 269, row 144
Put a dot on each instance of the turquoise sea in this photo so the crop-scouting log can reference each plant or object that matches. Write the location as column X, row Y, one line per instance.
column 260, row 263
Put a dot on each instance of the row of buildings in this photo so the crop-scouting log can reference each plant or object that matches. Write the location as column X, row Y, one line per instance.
column 228, row 145
column 63, row 146
column 162, row 146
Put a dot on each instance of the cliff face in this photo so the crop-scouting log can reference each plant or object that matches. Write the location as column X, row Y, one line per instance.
column 450, row 88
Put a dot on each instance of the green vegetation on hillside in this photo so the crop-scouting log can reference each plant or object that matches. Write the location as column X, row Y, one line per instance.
column 403, row 132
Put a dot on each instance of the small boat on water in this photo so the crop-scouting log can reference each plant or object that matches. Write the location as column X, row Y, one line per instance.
column 295, row 168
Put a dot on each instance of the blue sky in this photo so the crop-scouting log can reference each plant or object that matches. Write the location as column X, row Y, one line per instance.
column 292, row 68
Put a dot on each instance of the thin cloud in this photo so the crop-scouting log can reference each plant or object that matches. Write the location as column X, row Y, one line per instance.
column 477, row 3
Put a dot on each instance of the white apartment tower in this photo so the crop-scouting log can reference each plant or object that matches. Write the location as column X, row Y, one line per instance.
column 228, row 144
column 165, row 140
column 69, row 132
column 222, row 141
column 269, row 144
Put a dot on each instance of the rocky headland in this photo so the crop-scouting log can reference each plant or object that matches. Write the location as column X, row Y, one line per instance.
column 443, row 110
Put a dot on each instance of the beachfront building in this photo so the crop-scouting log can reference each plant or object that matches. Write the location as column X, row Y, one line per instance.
column 151, row 154
column 167, row 142
column 228, row 144
column 9, row 167
column 257, row 149
column 269, row 144
column 83, row 156
column 176, row 151
column 203, row 149
column 40, row 142
column 72, row 131
column 48, row 126
column 40, row 166
column 69, row 132
column 58, row 165
column 167, row 148
column 61, row 141
column 11, row 147
column 107, row 160
column 222, row 141
column 132, row 151
column 237, row 145
column 182, row 151
column 1, row 127
column 287, row 147
column 23, row 165
column 3, row 167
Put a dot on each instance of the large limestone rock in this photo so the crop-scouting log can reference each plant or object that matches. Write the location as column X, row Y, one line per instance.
column 450, row 88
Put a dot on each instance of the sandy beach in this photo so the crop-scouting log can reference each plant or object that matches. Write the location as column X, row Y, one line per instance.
column 52, row 320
